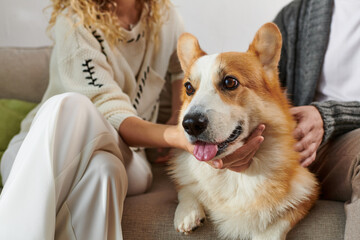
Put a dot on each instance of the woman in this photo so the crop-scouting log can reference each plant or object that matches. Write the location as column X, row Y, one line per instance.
column 68, row 171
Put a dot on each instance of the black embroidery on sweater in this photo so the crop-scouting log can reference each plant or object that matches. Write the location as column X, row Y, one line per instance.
column 153, row 110
column 89, row 69
column 100, row 40
column 140, row 87
column 135, row 39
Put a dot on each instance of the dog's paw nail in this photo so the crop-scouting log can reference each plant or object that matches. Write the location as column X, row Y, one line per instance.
column 199, row 222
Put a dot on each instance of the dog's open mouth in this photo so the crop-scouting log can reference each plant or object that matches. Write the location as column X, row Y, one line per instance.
column 206, row 151
column 233, row 136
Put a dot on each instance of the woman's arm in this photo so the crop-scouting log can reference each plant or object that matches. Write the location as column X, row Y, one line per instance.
column 139, row 133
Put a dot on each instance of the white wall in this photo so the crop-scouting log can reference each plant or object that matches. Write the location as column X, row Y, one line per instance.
column 226, row 25
column 220, row 25
column 23, row 23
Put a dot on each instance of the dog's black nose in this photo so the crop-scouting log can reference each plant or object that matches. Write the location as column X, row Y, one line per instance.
column 195, row 124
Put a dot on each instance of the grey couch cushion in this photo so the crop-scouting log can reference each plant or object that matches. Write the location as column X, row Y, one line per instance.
column 150, row 216
column 24, row 72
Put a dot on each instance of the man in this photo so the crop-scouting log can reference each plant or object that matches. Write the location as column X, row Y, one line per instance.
column 319, row 67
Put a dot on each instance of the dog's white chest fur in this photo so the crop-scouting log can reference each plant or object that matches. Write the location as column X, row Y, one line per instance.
column 231, row 200
column 225, row 196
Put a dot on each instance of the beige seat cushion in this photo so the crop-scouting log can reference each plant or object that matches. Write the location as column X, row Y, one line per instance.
column 150, row 216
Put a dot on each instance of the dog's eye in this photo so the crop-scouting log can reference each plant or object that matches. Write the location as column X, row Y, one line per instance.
column 230, row 83
column 189, row 89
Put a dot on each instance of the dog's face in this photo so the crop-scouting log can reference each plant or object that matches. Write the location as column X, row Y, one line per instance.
column 223, row 93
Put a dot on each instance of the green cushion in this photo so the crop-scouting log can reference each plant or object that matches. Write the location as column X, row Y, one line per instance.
column 12, row 112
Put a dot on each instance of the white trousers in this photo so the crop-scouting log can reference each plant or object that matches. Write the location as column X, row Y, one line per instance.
column 69, row 175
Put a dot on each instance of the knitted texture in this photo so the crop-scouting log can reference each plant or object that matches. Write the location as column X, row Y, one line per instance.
column 121, row 81
column 305, row 27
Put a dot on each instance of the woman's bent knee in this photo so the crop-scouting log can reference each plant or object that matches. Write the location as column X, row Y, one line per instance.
column 139, row 175
column 71, row 103
column 107, row 169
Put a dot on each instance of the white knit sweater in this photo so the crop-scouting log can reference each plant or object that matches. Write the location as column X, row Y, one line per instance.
column 122, row 81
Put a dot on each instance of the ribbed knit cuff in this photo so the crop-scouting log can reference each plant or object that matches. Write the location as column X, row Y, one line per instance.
column 338, row 117
column 175, row 77
column 116, row 119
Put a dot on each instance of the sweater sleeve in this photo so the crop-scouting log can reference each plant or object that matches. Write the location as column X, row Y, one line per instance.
column 338, row 117
column 87, row 72
column 83, row 68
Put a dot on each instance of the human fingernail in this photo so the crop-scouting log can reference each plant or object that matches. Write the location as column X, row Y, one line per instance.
column 216, row 164
column 261, row 128
column 297, row 147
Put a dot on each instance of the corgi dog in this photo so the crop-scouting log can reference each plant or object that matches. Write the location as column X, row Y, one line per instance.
column 226, row 97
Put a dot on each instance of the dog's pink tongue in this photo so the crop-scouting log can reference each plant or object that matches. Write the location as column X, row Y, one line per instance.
column 205, row 151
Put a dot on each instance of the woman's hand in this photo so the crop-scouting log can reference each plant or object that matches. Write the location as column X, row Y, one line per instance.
column 309, row 132
column 164, row 153
column 241, row 159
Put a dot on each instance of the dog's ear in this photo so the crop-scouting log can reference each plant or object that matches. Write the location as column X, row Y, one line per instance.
column 188, row 50
column 267, row 46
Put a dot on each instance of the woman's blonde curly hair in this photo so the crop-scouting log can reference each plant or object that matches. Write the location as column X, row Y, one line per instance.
column 100, row 14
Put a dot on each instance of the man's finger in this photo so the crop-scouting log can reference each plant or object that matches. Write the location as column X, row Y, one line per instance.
column 309, row 160
column 306, row 142
column 239, row 168
column 258, row 131
column 250, row 147
column 295, row 111
column 218, row 163
column 298, row 133
column 238, row 160
column 246, row 160
column 302, row 130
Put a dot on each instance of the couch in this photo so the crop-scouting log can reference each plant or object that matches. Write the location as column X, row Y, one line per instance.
column 24, row 76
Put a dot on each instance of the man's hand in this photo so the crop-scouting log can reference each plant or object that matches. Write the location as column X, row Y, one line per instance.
column 242, row 157
column 309, row 132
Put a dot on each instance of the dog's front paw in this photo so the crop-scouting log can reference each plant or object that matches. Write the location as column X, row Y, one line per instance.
column 188, row 217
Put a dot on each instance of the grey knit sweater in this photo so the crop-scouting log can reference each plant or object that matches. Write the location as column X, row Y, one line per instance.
column 305, row 28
